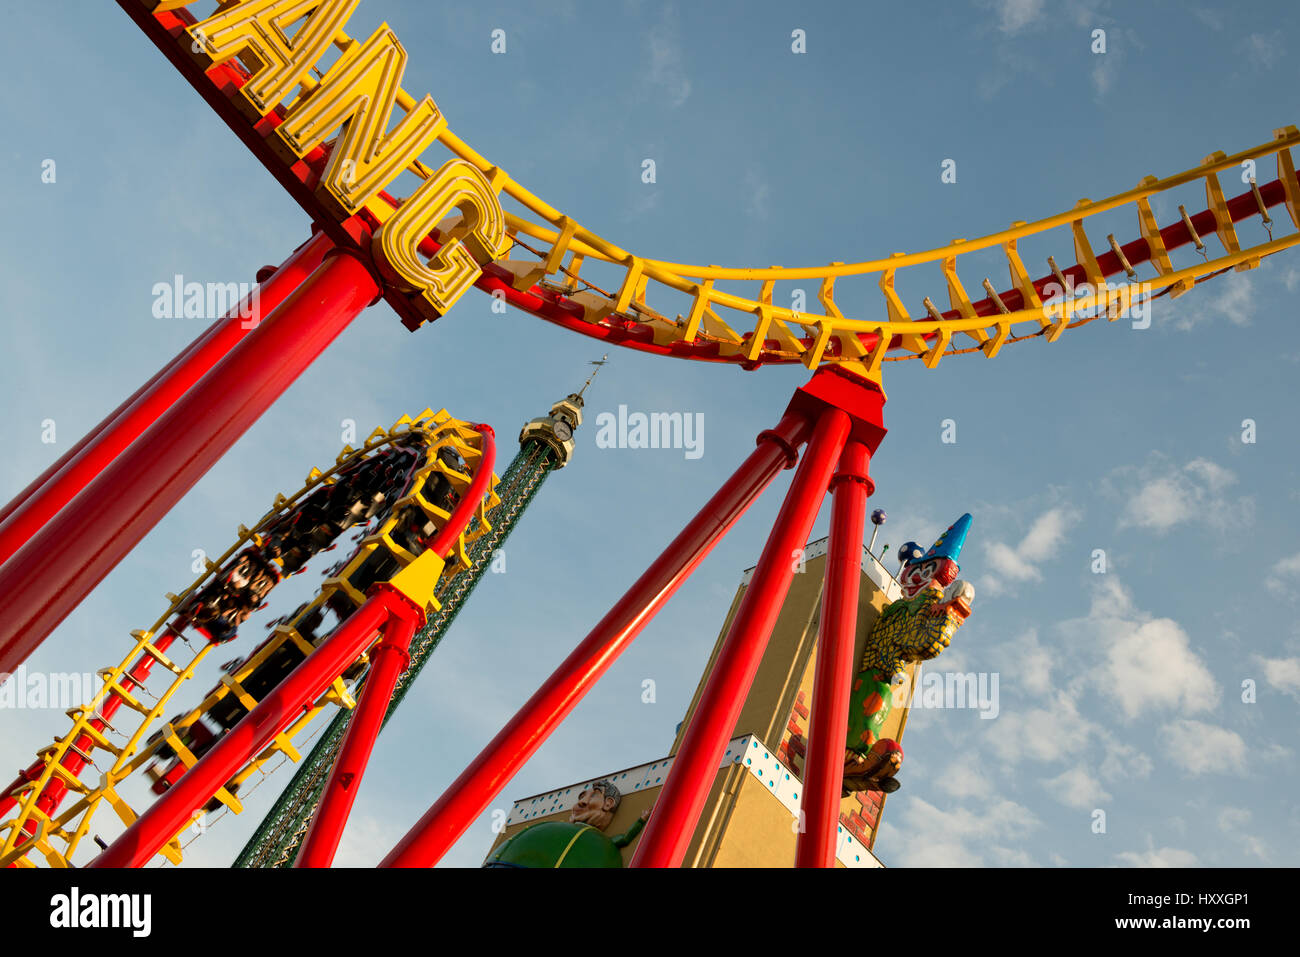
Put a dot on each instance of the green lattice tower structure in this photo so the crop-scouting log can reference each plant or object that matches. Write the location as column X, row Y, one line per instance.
column 545, row 444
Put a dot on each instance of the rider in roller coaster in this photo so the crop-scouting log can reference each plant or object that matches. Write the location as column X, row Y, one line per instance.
column 363, row 491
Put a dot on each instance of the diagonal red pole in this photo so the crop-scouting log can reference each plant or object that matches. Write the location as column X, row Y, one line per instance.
column 823, row 776
column 388, row 659
column 671, row 826
column 390, row 604
column 41, row 501
column 472, row 792
column 279, row 709
column 71, row 554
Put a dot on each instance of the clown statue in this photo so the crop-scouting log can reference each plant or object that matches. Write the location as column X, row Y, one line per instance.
column 916, row 627
column 577, row 842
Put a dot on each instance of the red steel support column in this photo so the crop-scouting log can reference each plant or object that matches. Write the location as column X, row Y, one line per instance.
column 40, row 501
column 669, row 830
column 823, row 777
column 471, row 793
column 50, row 575
column 388, row 659
column 78, row 756
column 279, row 709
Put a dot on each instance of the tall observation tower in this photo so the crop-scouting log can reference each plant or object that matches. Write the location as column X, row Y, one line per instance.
column 545, row 444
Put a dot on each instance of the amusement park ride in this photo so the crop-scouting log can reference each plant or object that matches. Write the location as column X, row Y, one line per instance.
column 326, row 114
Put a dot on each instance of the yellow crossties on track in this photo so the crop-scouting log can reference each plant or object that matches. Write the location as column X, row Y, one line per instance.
column 126, row 745
column 349, row 129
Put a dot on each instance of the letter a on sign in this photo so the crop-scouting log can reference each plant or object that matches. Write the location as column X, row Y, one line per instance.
column 260, row 28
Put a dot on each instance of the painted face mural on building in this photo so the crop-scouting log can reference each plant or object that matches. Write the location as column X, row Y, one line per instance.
column 578, row 842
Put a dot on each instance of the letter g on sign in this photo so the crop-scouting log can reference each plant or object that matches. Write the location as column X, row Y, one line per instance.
column 479, row 237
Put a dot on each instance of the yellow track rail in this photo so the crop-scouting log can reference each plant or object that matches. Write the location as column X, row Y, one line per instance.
column 762, row 330
column 750, row 327
column 58, row 836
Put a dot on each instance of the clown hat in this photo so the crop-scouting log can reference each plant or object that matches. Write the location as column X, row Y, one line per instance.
column 950, row 542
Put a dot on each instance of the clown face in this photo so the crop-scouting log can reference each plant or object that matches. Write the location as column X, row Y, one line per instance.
column 593, row 807
column 917, row 576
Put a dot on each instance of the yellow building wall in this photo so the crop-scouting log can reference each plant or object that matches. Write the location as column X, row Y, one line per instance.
column 742, row 824
column 777, row 707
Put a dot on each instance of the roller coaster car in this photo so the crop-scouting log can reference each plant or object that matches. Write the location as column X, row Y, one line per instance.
column 218, row 609
column 200, row 736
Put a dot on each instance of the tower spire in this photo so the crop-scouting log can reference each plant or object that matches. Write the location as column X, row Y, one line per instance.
column 545, row 445
column 597, row 363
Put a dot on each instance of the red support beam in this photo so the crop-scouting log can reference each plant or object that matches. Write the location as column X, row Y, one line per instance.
column 695, row 766
column 279, row 709
column 40, row 501
column 472, row 792
column 219, row 85
column 71, row 554
column 388, row 659
column 823, row 777
column 480, row 485
column 77, row 757
column 387, row 609
column 387, row 662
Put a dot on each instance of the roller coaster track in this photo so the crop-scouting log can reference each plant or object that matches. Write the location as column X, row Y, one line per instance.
column 400, row 486
column 752, row 329
column 1049, row 303
column 583, row 282
column 276, row 842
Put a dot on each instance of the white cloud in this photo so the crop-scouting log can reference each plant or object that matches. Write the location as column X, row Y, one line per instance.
column 1158, row 857
column 1146, row 662
column 1285, row 575
column 1047, row 533
column 1161, row 504
column 1263, row 49
column 1015, row 15
column 1009, row 564
column 667, row 61
column 1041, row 543
column 966, row 778
column 1209, row 18
column 1215, row 477
column 962, row 837
column 1230, row 296
column 1103, row 77
column 1034, row 664
column 1151, row 664
column 1124, row 761
column 1283, row 674
column 366, row 840
column 1232, row 820
column 1077, row 788
column 1273, row 751
column 1201, row 748
column 1049, row 733
column 757, row 195
column 933, row 853
column 1160, row 495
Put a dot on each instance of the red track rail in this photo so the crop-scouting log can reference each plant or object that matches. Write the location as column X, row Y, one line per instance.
column 219, row 85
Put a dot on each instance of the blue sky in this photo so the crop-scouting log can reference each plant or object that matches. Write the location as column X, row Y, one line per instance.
column 1120, row 691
